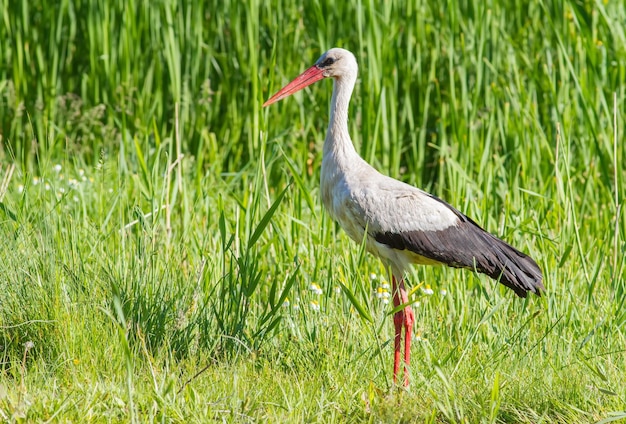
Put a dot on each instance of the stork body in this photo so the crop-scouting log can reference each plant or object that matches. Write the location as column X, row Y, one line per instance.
column 404, row 224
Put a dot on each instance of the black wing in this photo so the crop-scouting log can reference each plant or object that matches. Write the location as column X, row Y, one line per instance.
column 467, row 245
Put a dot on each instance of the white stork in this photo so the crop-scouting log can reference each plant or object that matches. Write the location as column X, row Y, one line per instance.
column 404, row 224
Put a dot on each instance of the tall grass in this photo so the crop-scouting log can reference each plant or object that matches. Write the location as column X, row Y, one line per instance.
column 166, row 258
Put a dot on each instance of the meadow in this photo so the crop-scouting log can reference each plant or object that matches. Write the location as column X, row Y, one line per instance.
column 166, row 258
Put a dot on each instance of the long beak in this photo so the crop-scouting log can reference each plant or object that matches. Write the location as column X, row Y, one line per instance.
column 305, row 79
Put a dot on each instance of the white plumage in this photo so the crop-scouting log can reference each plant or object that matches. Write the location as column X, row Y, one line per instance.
column 404, row 224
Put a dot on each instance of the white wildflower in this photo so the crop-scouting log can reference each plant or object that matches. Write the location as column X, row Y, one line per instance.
column 316, row 289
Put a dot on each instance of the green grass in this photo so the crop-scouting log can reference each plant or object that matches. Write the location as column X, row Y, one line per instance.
column 161, row 232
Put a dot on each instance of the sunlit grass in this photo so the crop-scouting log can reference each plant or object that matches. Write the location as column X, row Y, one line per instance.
column 166, row 258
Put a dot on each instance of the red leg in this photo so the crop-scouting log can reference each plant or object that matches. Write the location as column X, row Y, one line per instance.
column 406, row 318
column 398, row 319
column 409, row 319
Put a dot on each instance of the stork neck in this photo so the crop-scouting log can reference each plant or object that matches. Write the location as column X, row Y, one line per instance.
column 338, row 138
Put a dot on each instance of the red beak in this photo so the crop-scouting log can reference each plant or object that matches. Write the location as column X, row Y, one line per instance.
column 305, row 79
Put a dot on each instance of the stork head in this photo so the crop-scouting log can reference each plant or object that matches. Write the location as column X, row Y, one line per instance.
column 335, row 63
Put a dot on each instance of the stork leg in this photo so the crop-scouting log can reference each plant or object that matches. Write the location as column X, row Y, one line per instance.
column 402, row 318
column 398, row 319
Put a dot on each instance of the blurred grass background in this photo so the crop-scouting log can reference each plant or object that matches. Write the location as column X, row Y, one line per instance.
column 158, row 224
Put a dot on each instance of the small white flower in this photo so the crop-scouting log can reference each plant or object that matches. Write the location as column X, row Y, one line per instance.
column 81, row 172
column 36, row 181
column 379, row 293
column 373, row 276
column 382, row 293
column 337, row 289
column 316, row 289
column 443, row 292
column 47, row 186
column 286, row 303
column 20, row 188
column 315, row 306
column 385, row 285
column 427, row 291
column 61, row 190
column 57, row 168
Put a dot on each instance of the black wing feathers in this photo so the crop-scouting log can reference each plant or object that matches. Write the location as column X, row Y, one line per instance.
column 467, row 245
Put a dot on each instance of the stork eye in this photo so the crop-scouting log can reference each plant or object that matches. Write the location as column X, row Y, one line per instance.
column 329, row 61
